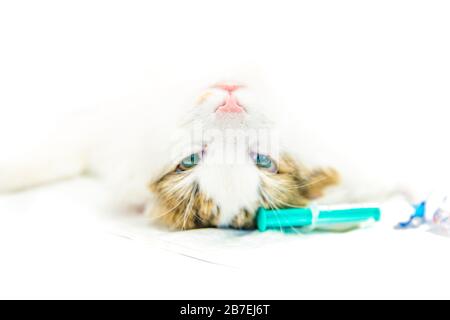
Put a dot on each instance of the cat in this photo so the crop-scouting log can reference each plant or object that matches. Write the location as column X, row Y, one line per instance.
column 209, row 155
column 211, row 168
column 346, row 107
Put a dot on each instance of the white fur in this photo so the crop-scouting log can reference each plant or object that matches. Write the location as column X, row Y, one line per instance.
column 366, row 97
column 132, row 144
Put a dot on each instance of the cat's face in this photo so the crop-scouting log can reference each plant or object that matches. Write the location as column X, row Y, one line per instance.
column 227, row 163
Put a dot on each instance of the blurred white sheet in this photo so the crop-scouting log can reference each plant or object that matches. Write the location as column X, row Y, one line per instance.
column 62, row 241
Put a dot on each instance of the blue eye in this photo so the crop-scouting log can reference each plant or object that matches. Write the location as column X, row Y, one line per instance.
column 265, row 162
column 189, row 162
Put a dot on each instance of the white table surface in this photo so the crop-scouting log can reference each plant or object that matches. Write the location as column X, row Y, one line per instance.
column 62, row 241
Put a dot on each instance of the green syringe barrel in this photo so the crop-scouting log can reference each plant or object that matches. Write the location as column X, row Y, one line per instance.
column 302, row 217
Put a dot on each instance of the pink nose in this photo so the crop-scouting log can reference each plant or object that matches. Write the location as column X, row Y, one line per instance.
column 230, row 106
column 228, row 87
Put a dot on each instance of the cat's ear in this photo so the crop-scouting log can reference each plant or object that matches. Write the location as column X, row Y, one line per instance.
column 318, row 180
column 310, row 183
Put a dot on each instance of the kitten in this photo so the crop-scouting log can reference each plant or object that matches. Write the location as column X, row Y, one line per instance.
column 213, row 167
column 203, row 158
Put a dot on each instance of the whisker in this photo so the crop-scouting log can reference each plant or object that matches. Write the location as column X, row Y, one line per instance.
column 153, row 218
column 187, row 211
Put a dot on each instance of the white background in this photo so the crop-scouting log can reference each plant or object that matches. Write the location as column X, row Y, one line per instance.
column 358, row 58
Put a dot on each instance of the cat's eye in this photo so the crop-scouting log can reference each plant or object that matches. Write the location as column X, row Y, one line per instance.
column 265, row 162
column 189, row 162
